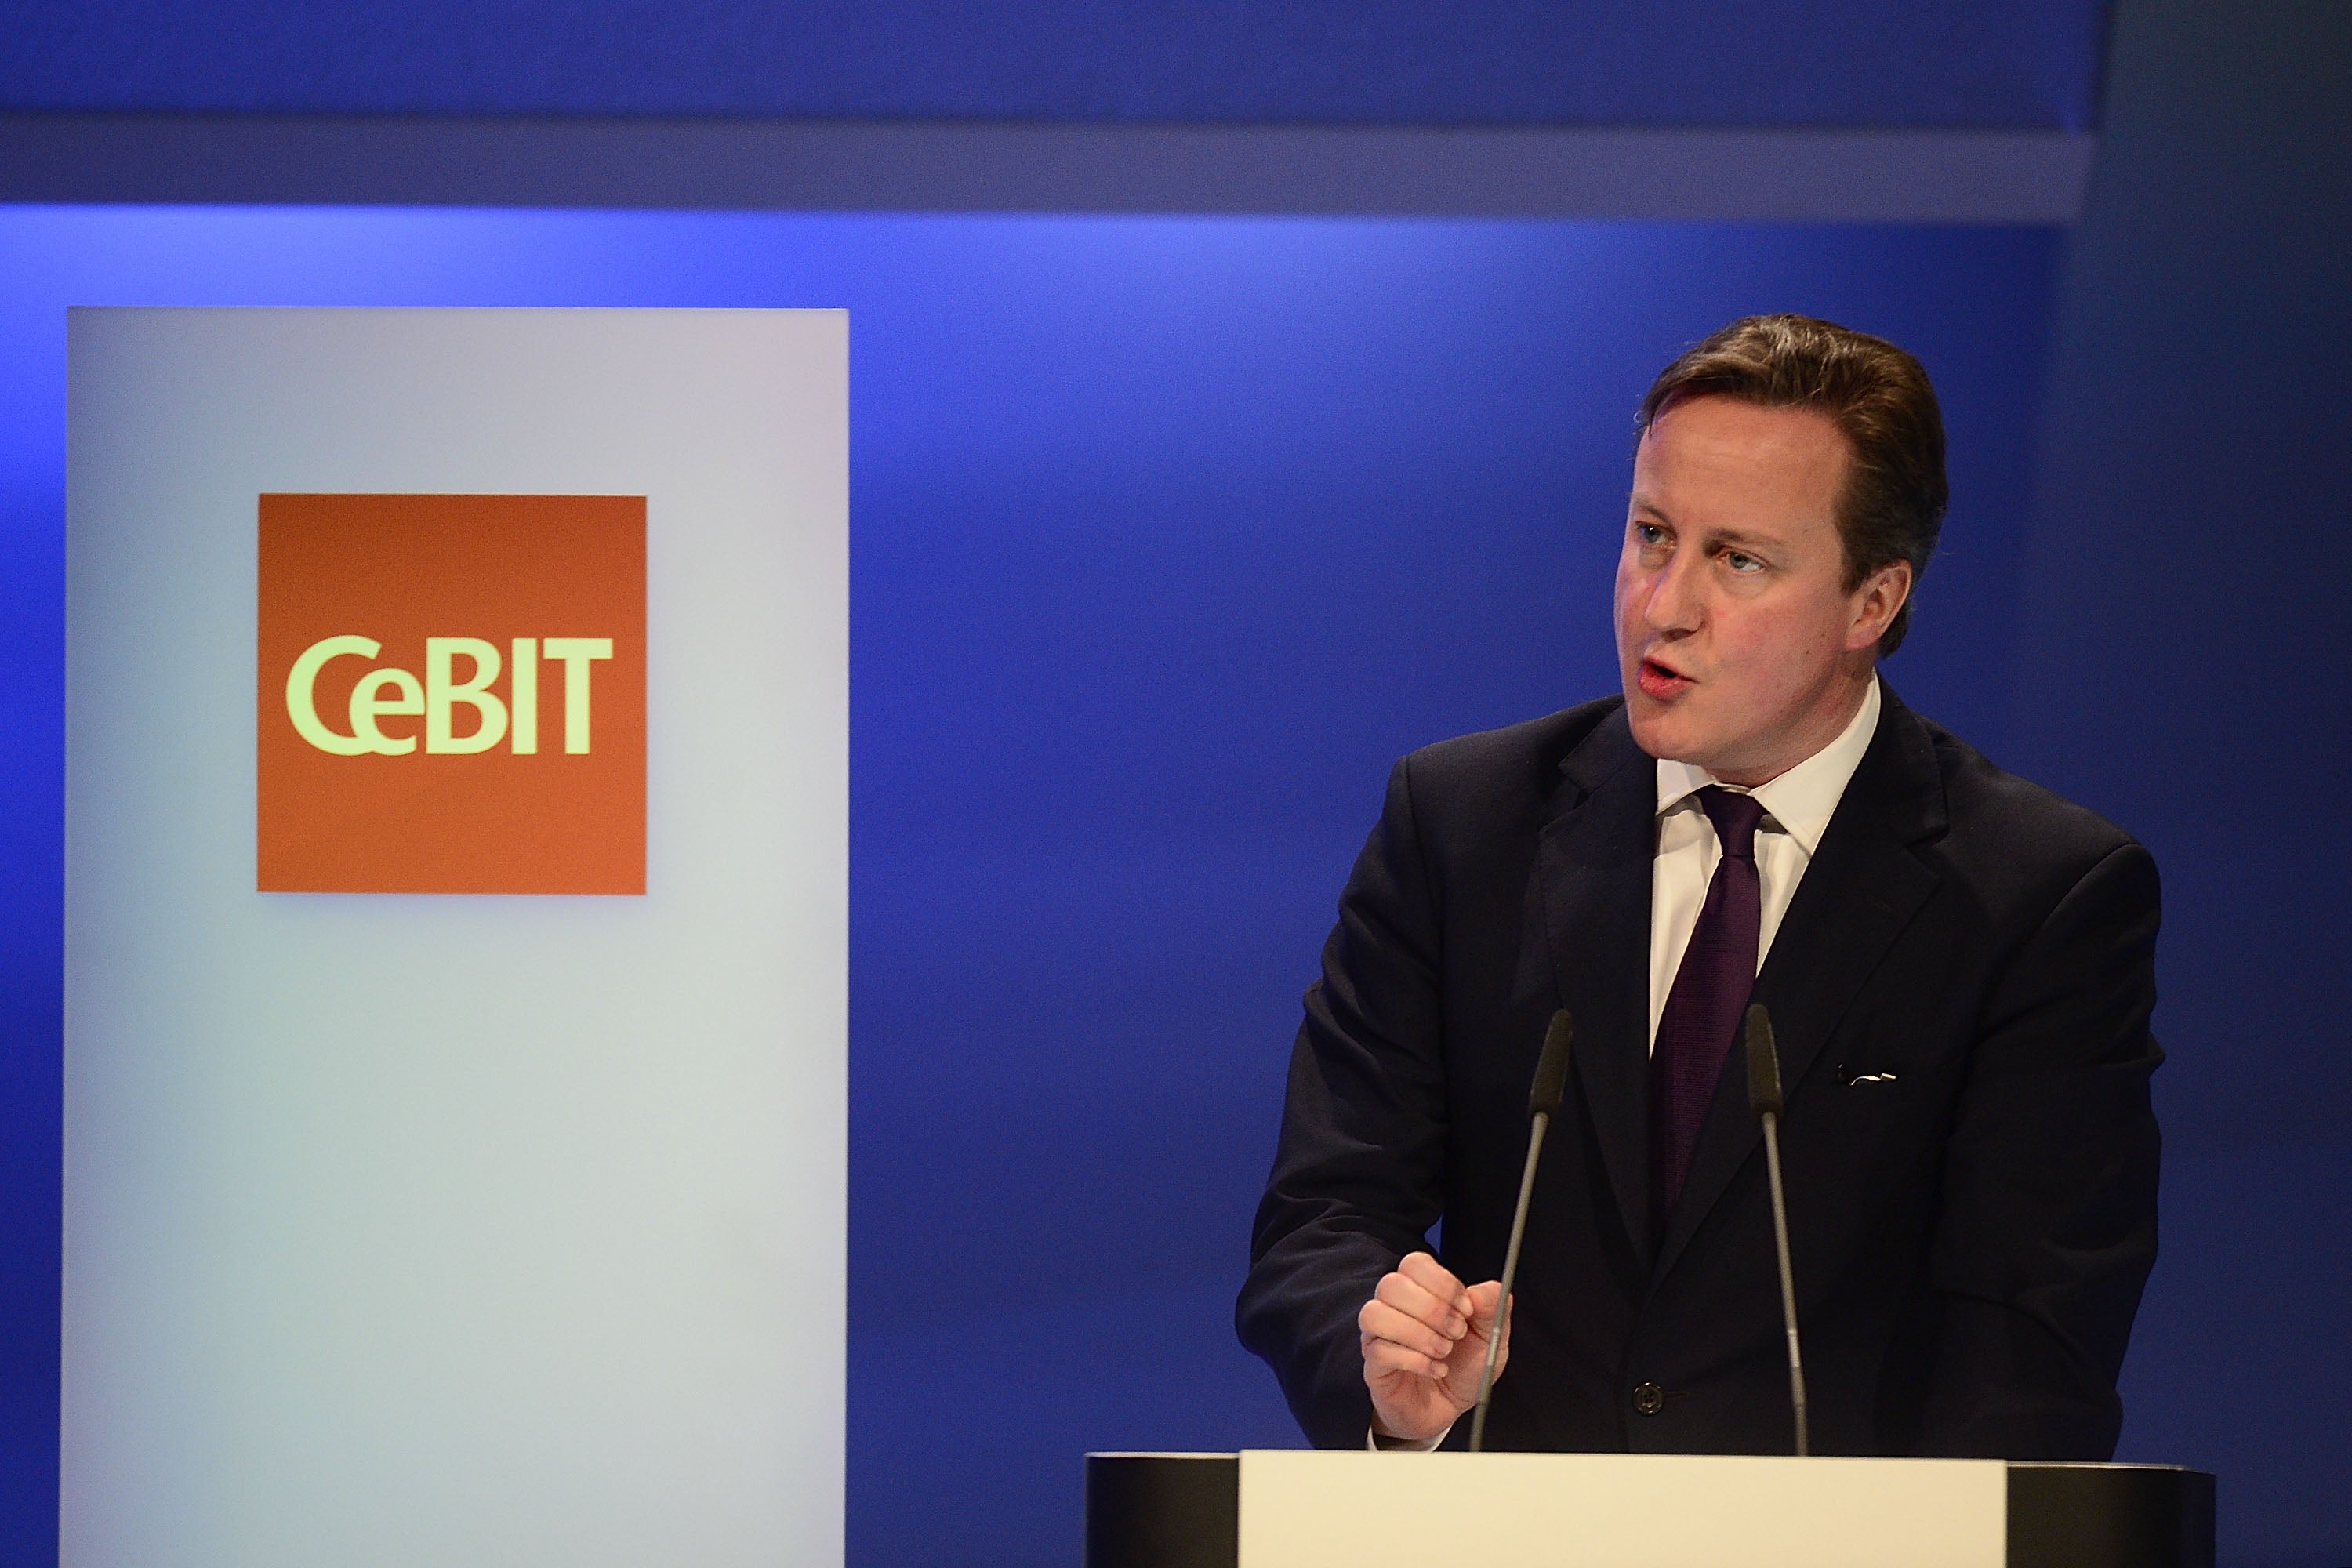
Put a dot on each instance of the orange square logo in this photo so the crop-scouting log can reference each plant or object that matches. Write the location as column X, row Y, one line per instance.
column 452, row 694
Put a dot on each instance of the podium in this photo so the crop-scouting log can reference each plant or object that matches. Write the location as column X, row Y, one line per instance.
column 1302, row 1508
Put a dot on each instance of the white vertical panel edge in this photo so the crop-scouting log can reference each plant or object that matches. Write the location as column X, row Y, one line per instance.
column 460, row 1230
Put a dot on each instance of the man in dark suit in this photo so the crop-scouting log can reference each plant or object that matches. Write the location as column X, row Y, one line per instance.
column 1960, row 966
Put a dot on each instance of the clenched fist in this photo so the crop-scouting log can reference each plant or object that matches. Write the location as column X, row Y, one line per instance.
column 1424, row 1337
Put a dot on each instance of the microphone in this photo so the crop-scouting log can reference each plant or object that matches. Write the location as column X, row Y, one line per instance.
column 1543, row 1102
column 1764, row 1099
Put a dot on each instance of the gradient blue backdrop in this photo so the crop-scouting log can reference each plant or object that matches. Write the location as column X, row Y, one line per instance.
column 1167, row 535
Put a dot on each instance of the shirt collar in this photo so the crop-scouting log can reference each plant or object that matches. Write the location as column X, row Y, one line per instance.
column 1802, row 800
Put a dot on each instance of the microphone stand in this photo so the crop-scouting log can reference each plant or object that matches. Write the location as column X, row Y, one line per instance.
column 1765, row 1099
column 1510, row 1273
column 1543, row 1102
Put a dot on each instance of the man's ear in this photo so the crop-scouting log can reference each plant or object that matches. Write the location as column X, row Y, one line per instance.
column 1877, row 603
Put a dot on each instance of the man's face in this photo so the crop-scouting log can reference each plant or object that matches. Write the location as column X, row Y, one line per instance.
column 1739, row 647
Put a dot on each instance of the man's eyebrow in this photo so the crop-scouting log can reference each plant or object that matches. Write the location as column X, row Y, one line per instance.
column 1737, row 537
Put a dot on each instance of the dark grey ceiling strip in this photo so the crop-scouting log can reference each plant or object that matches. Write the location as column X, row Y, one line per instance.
column 1778, row 175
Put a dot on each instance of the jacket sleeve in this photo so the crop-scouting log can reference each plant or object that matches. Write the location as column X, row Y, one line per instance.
column 2048, row 1224
column 1358, row 1175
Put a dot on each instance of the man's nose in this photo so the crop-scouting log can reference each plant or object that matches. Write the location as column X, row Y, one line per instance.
column 1674, row 605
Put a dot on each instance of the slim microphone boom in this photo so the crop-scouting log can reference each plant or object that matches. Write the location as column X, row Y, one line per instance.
column 1764, row 1099
column 1543, row 1103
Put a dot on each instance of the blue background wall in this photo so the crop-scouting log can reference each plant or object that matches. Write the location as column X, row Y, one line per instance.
column 1169, row 534
column 1817, row 62
column 2183, row 651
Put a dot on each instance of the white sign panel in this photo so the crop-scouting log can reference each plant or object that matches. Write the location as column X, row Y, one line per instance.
column 456, row 938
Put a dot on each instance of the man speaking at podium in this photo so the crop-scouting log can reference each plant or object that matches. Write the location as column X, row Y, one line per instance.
column 1960, row 967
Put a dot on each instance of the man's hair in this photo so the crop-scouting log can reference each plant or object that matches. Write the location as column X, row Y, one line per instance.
column 1877, row 396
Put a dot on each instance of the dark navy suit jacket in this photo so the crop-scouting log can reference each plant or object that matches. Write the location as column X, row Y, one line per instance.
column 1960, row 989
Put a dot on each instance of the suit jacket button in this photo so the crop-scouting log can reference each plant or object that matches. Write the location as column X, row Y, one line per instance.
column 1649, row 1398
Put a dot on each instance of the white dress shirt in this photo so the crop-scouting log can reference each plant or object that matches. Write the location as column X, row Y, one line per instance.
column 1798, row 806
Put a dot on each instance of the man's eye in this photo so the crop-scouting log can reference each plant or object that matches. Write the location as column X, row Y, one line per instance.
column 1742, row 563
column 1649, row 533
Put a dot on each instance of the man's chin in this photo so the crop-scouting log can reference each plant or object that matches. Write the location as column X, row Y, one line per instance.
column 1652, row 721
column 1664, row 731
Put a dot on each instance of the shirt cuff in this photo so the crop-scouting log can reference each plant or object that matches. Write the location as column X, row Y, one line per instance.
column 1376, row 1444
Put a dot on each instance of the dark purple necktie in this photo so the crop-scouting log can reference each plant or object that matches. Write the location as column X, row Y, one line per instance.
column 1710, row 995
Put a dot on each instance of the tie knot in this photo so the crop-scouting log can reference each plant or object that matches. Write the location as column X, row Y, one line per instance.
column 1735, row 817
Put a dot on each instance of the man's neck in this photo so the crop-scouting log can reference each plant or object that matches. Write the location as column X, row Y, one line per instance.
column 1818, row 736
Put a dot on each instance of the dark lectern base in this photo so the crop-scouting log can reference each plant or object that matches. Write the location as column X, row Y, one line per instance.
column 1183, row 1510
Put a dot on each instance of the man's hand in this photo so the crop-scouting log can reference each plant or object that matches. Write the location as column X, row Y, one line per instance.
column 1424, row 1340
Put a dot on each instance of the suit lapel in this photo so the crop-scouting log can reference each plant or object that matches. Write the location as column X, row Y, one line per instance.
column 1860, row 891
column 1594, row 864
